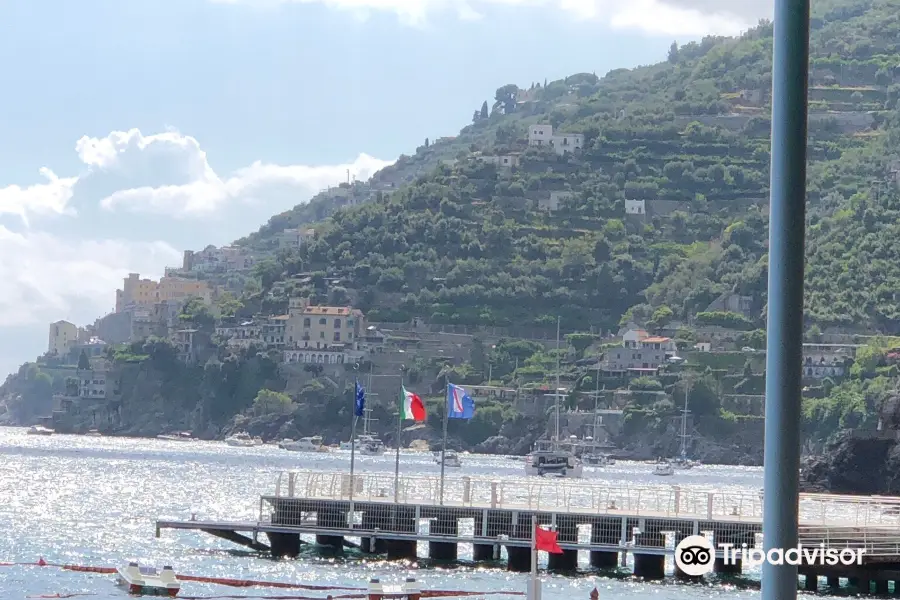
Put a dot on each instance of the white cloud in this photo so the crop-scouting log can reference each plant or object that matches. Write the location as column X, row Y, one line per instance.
column 186, row 185
column 169, row 174
column 70, row 269
column 39, row 199
column 669, row 17
column 51, row 278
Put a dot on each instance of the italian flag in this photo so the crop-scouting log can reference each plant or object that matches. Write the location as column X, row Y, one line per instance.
column 412, row 407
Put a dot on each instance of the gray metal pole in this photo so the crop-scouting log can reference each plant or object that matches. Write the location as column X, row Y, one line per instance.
column 444, row 443
column 784, row 346
column 399, row 435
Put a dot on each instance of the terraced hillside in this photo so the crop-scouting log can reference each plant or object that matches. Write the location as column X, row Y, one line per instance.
column 659, row 213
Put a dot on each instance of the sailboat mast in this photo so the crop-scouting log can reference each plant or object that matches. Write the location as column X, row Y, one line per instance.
column 596, row 406
column 687, row 391
column 556, row 395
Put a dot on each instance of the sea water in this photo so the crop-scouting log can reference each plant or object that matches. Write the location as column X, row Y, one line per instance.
column 94, row 501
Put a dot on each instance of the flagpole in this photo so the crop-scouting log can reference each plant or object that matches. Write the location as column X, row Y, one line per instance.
column 444, row 443
column 533, row 593
column 353, row 438
column 350, row 516
column 399, row 433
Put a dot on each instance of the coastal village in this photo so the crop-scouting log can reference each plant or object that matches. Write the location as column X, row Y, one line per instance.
column 340, row 343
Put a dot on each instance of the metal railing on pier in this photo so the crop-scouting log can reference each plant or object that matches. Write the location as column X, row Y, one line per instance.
column 580, row 497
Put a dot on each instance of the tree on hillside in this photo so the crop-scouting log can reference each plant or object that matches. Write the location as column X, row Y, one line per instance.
column 268, row 402
column 506, row 98
column 484, row 110
column 83, row 362
column 673, row 53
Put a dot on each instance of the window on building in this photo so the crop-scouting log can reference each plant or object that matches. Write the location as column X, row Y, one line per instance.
column 322, row 335
column 323, row 321
column 337, row 323
column 306, row 322
column 337, row 336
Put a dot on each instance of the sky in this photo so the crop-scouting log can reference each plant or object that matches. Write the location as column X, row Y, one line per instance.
column 133, row 130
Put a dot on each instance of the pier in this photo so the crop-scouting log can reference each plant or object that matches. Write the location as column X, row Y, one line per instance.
column 609, row 523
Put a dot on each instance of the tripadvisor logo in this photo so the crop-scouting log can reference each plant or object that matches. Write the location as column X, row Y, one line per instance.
column 695, row 554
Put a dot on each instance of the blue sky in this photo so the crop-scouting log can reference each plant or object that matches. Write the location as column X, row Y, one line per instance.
column 134, row 129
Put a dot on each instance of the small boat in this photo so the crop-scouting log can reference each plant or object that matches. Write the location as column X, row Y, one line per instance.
column 451, row 459
column 93, row 433
column 39, row 430
column 548, row 458
column 683, row 463
column 368, row 445
column 597, row 460
column 148, row 581
column 180, row 436
column 307, row 444
column 243, row 440
column 663, row 469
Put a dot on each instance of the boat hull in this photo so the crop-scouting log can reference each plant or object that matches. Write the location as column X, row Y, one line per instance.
column 576, row 472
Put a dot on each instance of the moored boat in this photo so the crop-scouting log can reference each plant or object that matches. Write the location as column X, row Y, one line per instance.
column 39, row 430
column 451, row 459
column 148, row 581
column 663, row 468
column 307, row 444
column 180, row 436
column 243, row 440
column 597, row 460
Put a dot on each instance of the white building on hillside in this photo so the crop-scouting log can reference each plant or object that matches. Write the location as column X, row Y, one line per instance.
column 542, row 135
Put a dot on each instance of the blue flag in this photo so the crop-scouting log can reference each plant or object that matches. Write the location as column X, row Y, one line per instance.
column 459, row 404
column 360, row 403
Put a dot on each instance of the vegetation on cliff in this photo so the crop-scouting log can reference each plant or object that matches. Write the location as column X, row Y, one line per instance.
column 467, row 242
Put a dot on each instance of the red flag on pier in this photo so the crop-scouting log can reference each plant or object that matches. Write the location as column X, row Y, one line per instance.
column 546, row 541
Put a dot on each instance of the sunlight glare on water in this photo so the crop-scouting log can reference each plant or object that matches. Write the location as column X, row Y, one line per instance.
column 94, row 501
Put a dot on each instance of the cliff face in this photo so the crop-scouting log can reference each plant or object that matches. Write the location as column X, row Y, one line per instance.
column 855, row 464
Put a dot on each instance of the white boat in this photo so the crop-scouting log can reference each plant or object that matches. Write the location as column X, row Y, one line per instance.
column 597, row 460
column 243, row 440
column 682, row 462
column 181, row 436
column 93, row 433
column 367, row 443
column 148, row 581
column 307, row 444
column 663, row 469
column 39, row 430
column 548, row 458
column 451, row 459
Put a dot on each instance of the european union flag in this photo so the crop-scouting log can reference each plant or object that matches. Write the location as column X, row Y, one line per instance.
column 360, row 403
column 459, row 404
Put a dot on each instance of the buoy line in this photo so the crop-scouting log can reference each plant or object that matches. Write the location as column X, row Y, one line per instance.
column 361, row 592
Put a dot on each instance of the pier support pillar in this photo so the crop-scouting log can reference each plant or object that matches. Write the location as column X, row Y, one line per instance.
column 731, row 565
column 448, row 526
column 402, row 550
column 330, row 519
column 284, row 545
column 608, row 533
column 489, row 524
column 482, row 552
column 833, row 582
column 519, row 559
column 567, row 531
column 811, row 583
column 372, row 545
column 881, row 587
column 679, row 574
column 649, row 566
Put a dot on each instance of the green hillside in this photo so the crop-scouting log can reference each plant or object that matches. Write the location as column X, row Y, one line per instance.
column 446, row 236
